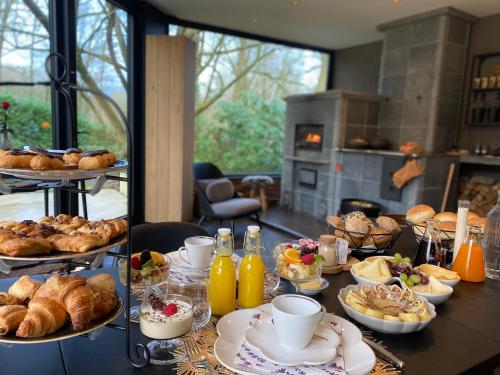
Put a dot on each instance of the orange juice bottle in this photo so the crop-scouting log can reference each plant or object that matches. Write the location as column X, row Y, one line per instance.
column 251, row 282
column 222, row 282
column 469, row 263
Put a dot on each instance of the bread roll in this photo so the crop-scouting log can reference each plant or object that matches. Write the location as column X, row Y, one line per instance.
column 471, row 215
column 357, row 227
column 478, row 221
column 419, row 213
column 446, row 216
column 378, row 237
column 389, row 224
column 447, row 229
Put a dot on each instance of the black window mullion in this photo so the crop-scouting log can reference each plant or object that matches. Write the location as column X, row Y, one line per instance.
column 62, row 20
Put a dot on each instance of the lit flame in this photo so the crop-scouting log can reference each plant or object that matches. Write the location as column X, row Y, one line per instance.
column 313, row 138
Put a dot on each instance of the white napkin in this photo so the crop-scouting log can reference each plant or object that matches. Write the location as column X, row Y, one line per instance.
column 253, row 359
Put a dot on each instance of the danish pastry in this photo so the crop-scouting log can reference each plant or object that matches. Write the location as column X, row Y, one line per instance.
column 97, row 159
column 77, row 243
column 23, row 246
column 16, row 158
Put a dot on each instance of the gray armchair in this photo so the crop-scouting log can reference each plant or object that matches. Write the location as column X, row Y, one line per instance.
column 218, row 198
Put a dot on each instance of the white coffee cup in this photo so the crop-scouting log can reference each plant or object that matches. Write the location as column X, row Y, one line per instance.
column 295, row 319
column 199, row 251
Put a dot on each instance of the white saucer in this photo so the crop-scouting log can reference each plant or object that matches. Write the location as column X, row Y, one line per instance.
column 177, row 263
column 312, row 292
column 264, row 338
column 358, row 357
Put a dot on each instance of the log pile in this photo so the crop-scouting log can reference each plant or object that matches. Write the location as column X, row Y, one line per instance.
column 481, row 192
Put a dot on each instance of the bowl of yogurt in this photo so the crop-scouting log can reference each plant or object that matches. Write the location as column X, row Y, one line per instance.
column 166, row 318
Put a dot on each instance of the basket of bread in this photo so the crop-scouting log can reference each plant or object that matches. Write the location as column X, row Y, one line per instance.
column 363, row 234
column 444, row 222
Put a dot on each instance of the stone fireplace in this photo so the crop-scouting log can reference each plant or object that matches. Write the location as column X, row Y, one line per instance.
column 316, row 125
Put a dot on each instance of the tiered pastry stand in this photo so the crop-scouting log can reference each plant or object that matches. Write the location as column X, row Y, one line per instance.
column 140, row 356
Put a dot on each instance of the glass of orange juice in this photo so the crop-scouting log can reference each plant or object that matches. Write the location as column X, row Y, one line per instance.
column 469, row 263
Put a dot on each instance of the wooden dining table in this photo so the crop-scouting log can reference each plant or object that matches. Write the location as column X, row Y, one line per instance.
column 463, row 338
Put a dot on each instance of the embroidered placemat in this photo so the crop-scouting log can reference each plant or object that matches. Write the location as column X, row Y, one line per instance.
column 205, row 339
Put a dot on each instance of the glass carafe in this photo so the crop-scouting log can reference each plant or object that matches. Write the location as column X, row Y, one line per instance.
column 252, row 269
column 491, row 242
column 222, row 282
column 430, row 250
column 469, row 263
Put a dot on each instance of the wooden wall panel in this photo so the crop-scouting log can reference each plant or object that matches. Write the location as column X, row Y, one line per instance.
column 170, row 90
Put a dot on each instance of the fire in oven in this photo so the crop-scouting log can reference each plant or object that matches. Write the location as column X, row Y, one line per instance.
column 309, row 137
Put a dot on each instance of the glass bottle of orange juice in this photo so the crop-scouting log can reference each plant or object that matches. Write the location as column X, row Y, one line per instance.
column 469, row 263
column 251, row 276
column 222, row 282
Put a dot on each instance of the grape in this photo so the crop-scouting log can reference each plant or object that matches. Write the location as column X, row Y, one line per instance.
column 409, row 283
column 415, row 278
column 403, row 277
column 397, row 257
column 407, row 260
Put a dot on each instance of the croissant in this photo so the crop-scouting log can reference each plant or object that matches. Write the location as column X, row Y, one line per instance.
column 77, row 243
column 72, row 293
column 24, row 288
column 23, row 246
column 44, row 317
column 104, row 303
column 8, row 299
column 11, row 317
column 102, row 282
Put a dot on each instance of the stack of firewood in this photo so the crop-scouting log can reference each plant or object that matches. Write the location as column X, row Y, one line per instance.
column 481, row 192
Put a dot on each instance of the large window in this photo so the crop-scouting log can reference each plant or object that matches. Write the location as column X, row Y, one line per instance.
column 240, row 112
column 24, row 44
column 101, row 57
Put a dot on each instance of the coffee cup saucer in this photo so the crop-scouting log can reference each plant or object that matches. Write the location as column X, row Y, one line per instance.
column 321, row 349
column 178, row 263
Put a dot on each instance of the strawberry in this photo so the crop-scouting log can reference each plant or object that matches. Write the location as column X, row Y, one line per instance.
column 307, row 259
column 136, row 263
column 170, row 309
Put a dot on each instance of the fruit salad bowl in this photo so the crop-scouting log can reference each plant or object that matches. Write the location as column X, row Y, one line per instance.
column 148, row 268
column 298, row 261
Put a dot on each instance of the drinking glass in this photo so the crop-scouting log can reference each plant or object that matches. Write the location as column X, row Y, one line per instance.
column 140, row 280
column 271, row 274
column 156, row 323
column 197, row 292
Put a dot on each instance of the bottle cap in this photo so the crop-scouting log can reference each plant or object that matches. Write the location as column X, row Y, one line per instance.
column 253, row 228
column 327, row 239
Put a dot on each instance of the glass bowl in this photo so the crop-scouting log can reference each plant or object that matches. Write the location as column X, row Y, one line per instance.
column 145, row 277
column 295, row 271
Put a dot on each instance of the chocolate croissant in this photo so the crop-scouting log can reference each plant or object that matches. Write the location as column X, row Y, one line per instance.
column 8, row 299
column 11, row 317
column 44, row 317
column 77, row 243
column 24, row 288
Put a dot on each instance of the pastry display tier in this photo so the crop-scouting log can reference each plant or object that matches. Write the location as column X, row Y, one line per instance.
column 62, row 255
column 64, row 174
column 67, row 332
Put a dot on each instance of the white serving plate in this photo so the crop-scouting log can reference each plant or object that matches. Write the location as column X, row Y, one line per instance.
column 262, row 336
column 382, row 325
column 312, row 292
column 358, row 357
column 451, row 283
column 363, row 281
column 435, row 299
column 64, row 174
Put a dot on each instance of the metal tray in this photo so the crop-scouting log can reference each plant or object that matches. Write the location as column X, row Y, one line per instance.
column 59, row 255
column 66, row 331
column 64, row 174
